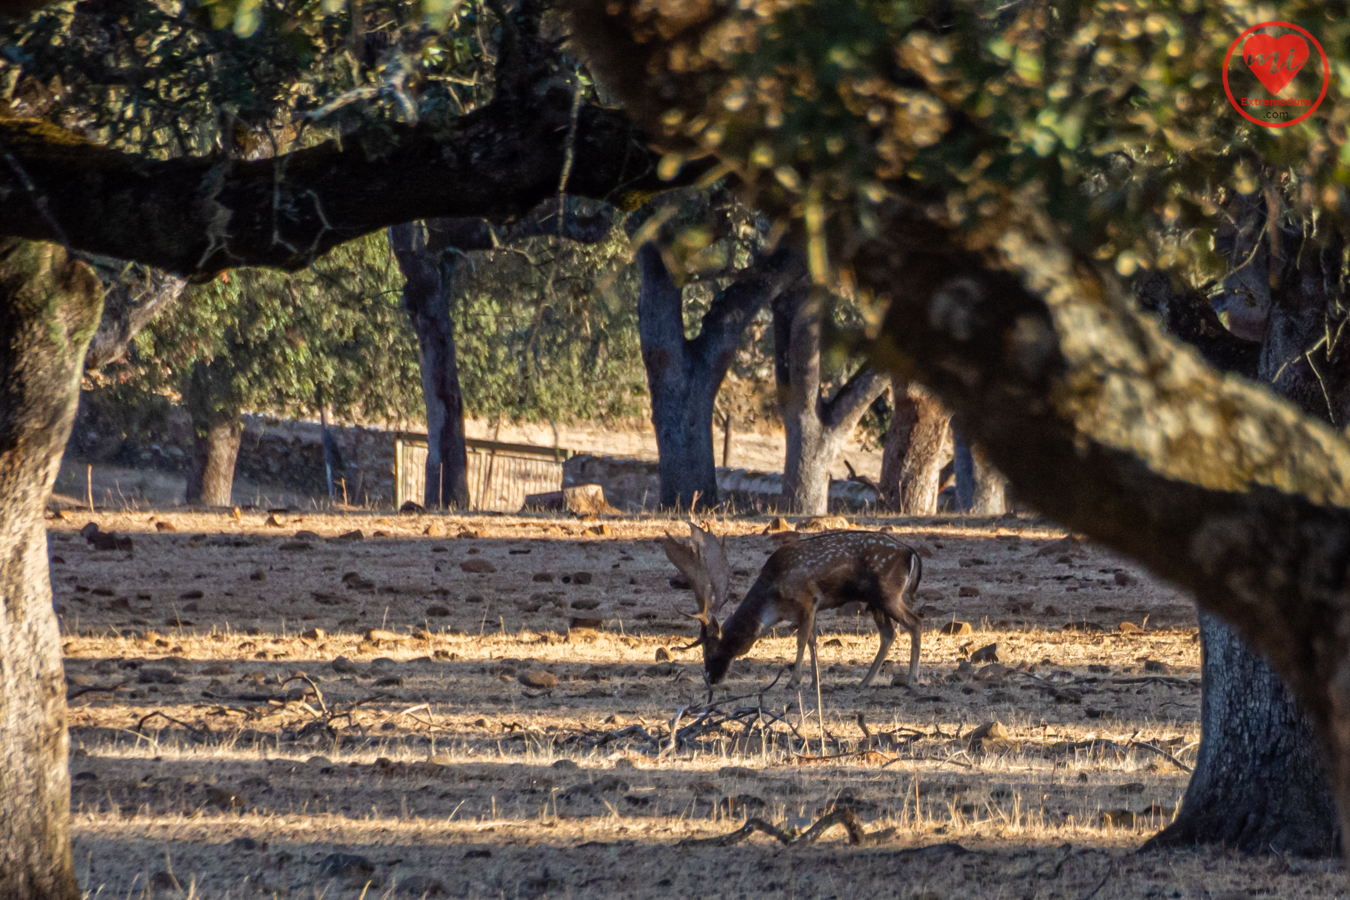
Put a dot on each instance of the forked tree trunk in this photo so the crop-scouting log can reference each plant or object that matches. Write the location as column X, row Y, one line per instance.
column 216, row 434
column 428, row 268
column 815, row 427
column 49, row 308
column 685, row 374
column 917, row 446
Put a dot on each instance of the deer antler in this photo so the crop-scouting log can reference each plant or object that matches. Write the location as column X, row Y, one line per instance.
column 703, row 560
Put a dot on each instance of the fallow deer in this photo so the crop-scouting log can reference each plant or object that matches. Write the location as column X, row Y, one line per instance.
column 798, row 581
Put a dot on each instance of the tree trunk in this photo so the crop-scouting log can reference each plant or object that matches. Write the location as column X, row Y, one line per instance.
column 682, row 396
column 918, row 443
column 963, row 469
column 685, row 374
column 216, row 434
column 1259, row 782
column 991, row 488
column 428, row 265
column 49, row 308
column 815, row 428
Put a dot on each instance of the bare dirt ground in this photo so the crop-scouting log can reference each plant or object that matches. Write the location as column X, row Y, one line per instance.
column 486, row 710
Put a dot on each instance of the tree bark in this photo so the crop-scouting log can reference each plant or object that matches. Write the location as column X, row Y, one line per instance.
column 49, row 308
column 428, row 266
column 815, row 428
column 197, row 216
column 917, row 446
column 685, row 374
column 1259, row 784
column 991, row 488
column 963, row 472
column 133, row 296
column 217, row 430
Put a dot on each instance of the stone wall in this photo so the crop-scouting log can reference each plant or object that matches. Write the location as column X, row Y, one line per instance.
column 633, row 485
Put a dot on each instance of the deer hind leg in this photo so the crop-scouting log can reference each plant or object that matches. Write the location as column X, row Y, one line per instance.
column 897, row 610
column 887, row 638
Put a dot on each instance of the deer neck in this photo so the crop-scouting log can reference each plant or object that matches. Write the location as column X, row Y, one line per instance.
column 756, row 611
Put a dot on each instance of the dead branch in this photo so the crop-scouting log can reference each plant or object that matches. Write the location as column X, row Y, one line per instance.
column 857, row 836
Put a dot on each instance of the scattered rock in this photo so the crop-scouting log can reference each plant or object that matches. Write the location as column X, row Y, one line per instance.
column 273, row 522
column 1157, row 667
column 986, row 654
column 308, row 536
column 585, row 604
column 164, row 881
column 383, row 636
column 244, row 843
column 437, row 611
column 601, row 529
column 581, row 500
column 566, row 765
column 435, row 529
column 542, row 577
column 662, row 654
column 314, row 634
column 89, row 530
column 223, row 798
column 421, row 886
column 581, row 577
column 214, row 669
column 989, row 731
column 482, row 852
column 737, row 772
column 257, row 575
column 478, row 566
column 901, row 679
column 1062, row 546
column 344, row 666
column 190, row 595
column 148, row 675
column 351, row 536
column 412, row 507
column 929, row 595
column 1104, row 714
column 164, row 526
column 681, row 583
column 1124, row 579
column 108, row 540
column 295, row 545
column 539, row 679
column 346, row 866
column 967, row 591
column 590, row 623
column 956, row 628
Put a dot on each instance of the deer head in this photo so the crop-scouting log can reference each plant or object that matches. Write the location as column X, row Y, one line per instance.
column 702, row 558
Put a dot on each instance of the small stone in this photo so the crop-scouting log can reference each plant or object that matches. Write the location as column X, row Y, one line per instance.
column 438, row 612
column 1124, row 579
column 420, row 886
column 155, row 676
column 602, row 529
column 966, row 590
column 351, row 536
column 190, row 595
column 164, row 526
column 344, row 666
column 220, row 668
column 986, row 654
column 89, row 530
column 585, row 604
column 1157, row 667
column 662, row 654
column 308, row 536
column 581, row 578
column 989, row 731
column 928, row 595
column 586, row 623
column 314, row 634
column 295, row 545
column 273, row 522
column 538, row 678
column 566, row 765
column 164, row 881
column 225, row 799
column 347, row 866
column 435, row 529
column 542, row 577
column 411, row 507
column 244, row 843
column 257, row 575
column 384, row 636
column 956, row 628
column 737, row 772
column 478, row 566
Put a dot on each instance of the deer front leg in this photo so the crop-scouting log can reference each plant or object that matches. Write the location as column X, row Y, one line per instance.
column 806, row 636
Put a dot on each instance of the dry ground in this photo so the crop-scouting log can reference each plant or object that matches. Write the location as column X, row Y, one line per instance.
column 271, row 710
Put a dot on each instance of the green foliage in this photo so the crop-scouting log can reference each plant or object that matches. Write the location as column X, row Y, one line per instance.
column 332, row 335
column 1106, row 121
column 548, row 330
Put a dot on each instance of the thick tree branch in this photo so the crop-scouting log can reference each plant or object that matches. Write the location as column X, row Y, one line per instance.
column 196, row 216
column 843, row 411
column 134, row 295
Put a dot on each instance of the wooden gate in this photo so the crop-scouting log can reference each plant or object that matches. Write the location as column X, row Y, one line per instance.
column 499, row 475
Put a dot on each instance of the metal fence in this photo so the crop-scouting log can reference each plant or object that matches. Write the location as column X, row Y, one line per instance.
column 499, row 475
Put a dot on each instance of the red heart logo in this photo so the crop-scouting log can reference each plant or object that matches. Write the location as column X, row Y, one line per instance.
column 1275, row 60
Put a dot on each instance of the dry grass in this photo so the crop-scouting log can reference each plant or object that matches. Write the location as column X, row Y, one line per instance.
column 218, row 769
